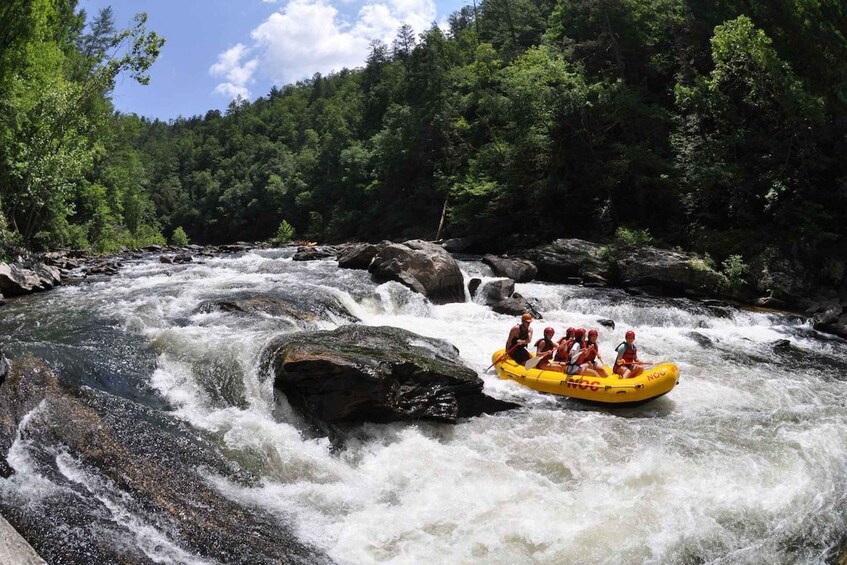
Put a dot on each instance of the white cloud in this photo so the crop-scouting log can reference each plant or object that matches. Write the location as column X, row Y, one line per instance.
column 237, row 75
column 308, row 36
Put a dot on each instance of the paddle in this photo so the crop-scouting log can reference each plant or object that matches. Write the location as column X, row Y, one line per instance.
column 509, row 352
column 531, row 364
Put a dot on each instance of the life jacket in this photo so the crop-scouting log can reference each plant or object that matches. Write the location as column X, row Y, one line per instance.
column 588, row 354
column 523, row 334
column 629, row 353
column 548, row 344
column 563, row 354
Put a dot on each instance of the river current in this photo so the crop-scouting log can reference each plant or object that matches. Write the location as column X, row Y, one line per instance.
column 745, row 461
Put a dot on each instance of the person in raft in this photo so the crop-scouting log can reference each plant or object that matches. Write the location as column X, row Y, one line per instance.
column 591, row 359
column 564, row 347
column 627, row 364
column 545, row 345
column 577, row 356
column 519, row 337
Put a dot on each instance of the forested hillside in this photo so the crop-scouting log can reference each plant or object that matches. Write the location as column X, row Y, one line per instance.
column 717, row 126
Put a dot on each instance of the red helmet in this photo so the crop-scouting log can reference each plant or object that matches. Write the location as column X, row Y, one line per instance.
column 630, row 334
column 592, row 333
column 579, row 333
column 549, row 331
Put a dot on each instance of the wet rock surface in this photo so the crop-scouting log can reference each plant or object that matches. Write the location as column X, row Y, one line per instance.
column 376, row 374
column 423, row 267
column 307, row 306
column 519, row 270
column 107, row 495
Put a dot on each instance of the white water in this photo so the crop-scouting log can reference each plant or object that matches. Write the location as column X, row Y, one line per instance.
column 743, row 462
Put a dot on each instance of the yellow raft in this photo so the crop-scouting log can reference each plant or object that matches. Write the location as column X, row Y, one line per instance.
column 654, row 382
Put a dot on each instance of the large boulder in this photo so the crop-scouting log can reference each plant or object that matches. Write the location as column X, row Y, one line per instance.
column 423, row 267
column 519, row 270
column 110, row 461
column 376, row 374
column 359, row 256
column 668, row 272
column 16, row 280
column 566, row 259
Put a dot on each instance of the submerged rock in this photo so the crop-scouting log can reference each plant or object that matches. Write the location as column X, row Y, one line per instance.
column 115, row 473
column 424, row 267
column 376, row 374
column 305, row 307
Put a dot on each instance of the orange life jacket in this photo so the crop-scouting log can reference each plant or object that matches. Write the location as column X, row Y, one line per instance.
column 629, row 353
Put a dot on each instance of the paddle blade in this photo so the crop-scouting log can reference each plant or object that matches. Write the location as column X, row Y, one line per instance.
column 532, row 363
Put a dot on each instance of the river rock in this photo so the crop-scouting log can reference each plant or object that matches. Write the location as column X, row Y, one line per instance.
column 566, row 259
column 496, row 291
column 606, row 323
column 457, row 245
column 423, row 267
column 117, row 468
column 473, row 286
column 359, row 256
column 376, row 374
column 519, row 270
column 305, row 307
column 667, row 272
column 314, row 253
column 16, row 281
column 517, row 305
column 831, row 321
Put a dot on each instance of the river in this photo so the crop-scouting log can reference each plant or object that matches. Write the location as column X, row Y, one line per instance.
column 745, row 461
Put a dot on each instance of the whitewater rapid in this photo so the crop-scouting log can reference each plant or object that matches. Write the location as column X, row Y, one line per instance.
column 745, row 461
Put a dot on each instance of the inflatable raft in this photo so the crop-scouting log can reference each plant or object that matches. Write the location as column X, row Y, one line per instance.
column 655, row 381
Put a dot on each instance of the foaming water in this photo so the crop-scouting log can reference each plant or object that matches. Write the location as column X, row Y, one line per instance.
column 744, row 462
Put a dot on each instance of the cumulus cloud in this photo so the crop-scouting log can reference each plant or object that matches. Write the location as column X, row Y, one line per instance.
column 237, row 75
column 308, row 36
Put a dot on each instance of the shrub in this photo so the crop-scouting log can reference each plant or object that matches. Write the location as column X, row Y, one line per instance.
column 284, row 234
column 630, row 239
column 734, row 269
column 179, row 237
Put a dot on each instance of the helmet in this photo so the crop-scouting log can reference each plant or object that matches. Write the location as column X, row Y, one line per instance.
column 526, row 317
column 549, row 331
column 630, row 334
column 592, row 333
column 570, row 331
column 579, row 333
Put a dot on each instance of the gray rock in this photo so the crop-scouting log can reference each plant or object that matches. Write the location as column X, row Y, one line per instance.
column 566, row 260
column 515, row 306
column 456, row 245
column 314, row 253
column 496, row 291
column 376, row 374
column 423, row 267
column 771, row 302
column 781, row 345
column 606, row 323
column 311, row 307
column 668, row 272
column 16, row 281
column 359, row 256
column 519, row 270
column 155, row 464
column 473, row 285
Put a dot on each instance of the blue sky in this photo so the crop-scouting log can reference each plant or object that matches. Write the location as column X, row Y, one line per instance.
column 217, row 49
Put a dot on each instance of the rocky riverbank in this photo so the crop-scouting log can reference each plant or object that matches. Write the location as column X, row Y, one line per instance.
column 431, row 270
